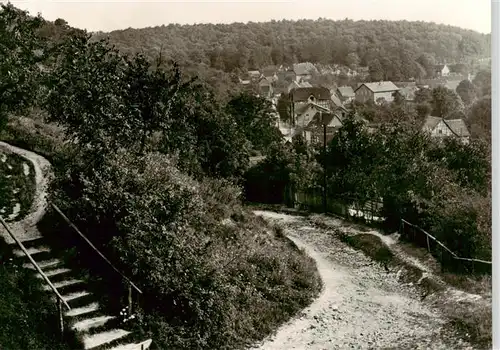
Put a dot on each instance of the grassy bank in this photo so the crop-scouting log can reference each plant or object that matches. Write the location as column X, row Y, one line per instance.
column 225, row 281
column 17, row 186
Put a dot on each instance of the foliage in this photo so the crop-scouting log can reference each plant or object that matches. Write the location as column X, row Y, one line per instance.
column 467, row 92
column 445, row 102
column 287, row 167
column 207, row 283
column 442, row 187
column 479, row 119
column 234, row 47
column 483, row 82
column 15, row 186
column 21, row 52
column 27, row 313
column 254, row 115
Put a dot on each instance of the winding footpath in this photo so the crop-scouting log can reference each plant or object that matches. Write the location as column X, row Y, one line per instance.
column 26, row 229
column 361, row 305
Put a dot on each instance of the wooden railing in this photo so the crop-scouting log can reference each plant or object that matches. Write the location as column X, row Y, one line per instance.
column 430, row 238
column 60, row 299
column 130, row 284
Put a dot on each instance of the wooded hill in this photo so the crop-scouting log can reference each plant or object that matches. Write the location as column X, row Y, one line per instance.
column 396, row 46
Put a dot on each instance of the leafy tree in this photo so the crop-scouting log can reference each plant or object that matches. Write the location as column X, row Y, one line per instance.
column 283, row 107
column 423, row 110
column 423, row 95
column 483, row 82
column 467, row 92
column 376, row 70
column 86, row 91
column 256, row 118
column 22, row 51
column 479, row 118
column 445, row 102
column 352, row 60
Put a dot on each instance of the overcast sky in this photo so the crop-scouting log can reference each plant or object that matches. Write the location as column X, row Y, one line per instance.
column 95, row 15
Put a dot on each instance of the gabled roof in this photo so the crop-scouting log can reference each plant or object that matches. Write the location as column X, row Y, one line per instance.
column 346, row 91
column 320, row 118
column 458, row 127
column 381, row 86
column 430, row 123
column 303, row 93
column 269, row 71
column 336, row 101
column 264, row 82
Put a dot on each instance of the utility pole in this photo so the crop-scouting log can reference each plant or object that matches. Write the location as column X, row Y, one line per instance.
column 324, row 163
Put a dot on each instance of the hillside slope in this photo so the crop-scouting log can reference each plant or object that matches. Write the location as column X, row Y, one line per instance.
column 229, row 47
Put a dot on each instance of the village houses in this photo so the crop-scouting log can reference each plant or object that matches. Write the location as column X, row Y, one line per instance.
column 440, row 128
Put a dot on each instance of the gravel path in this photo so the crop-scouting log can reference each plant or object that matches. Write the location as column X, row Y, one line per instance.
column 361, row 306
column 26, row 229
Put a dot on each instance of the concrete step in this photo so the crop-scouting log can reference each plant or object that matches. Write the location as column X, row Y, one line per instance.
column 75, row 295
column 62, row 284
column 31, row 250
column 89, row 323
column 83, row 310
column 138, row 346
column 45, row 264
column 54, row 272
column 94, row 340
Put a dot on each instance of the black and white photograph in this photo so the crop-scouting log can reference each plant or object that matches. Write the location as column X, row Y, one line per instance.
column 254, row 175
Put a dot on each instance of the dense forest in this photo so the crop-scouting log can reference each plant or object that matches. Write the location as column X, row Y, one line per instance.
column 394, row 45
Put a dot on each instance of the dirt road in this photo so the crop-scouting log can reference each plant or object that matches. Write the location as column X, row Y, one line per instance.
column 362, row 306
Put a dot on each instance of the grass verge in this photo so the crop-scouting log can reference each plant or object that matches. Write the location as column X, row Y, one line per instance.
column 17, row 186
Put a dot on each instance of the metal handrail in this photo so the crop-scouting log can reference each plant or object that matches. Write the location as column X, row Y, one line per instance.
column 23, row 248
column 68, row 221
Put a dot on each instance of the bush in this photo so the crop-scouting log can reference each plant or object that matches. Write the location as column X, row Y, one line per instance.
column 208, row 282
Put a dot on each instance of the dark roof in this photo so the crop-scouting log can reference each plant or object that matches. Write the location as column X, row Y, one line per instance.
column 381, row 86
column 336, row 101
column 269, row 71
column 346, row 91
column 303, row 93
column 458, row 127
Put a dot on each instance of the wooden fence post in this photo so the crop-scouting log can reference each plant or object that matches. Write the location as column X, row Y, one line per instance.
column 129, row 299
column 61, row 318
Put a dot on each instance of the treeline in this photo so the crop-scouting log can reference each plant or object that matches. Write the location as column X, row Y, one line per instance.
column 444, row 188
column 147, row 164
column 393, row 49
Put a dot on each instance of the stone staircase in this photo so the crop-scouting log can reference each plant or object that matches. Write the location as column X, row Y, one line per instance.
column 92, row 326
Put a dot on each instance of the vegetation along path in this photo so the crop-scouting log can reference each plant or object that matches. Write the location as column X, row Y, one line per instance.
column 362, row 305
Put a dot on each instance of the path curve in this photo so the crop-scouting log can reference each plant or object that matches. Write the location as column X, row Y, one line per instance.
column 361, row 305
column 26, row 229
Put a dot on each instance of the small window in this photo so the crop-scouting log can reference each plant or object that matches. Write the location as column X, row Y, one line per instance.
column 440, row 131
